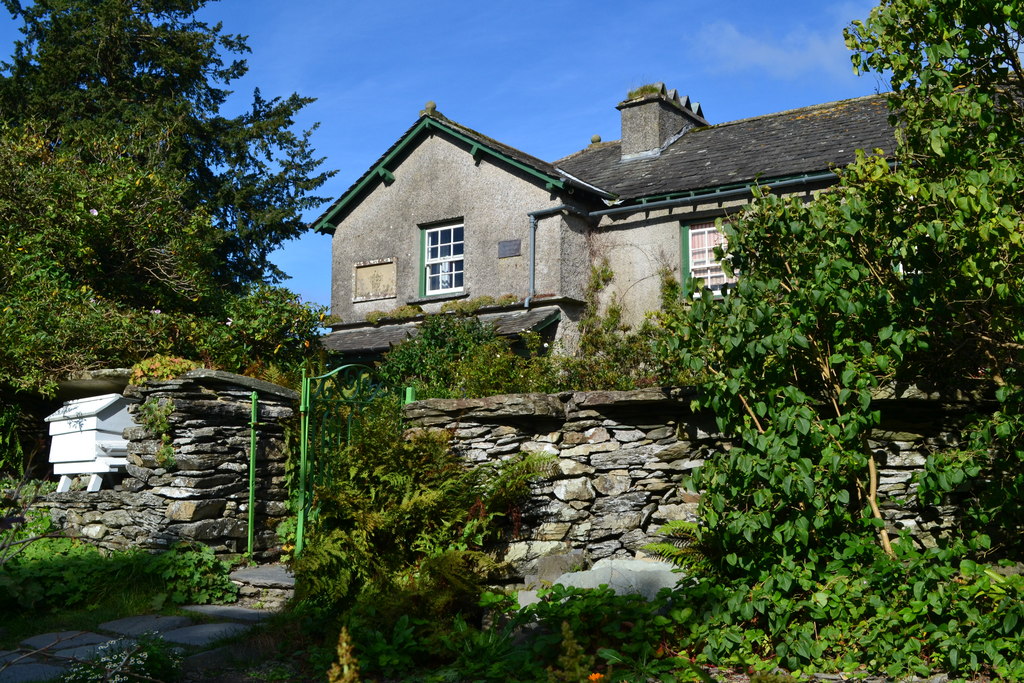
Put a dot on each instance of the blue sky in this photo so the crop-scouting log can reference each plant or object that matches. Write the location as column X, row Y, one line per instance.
column 540, row 75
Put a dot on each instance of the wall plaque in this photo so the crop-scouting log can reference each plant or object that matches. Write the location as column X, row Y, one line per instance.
column 509, row 248
column 375, row 280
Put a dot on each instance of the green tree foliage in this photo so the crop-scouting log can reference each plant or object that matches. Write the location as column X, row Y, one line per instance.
column 103, row 262
column 906, row 271
column 909, row 271
column 90, row 69
column 958, row 95
column 138, row 218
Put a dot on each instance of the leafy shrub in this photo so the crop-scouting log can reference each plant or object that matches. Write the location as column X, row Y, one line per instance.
column 396, row 548
column 53, row 573
column 471, row 306
column 406, row 312
column 192, row 574
column 454, row 355
column 12, row 453
column 396, row 515
column 20, row 525
column 160, row 367
column 457, row 356
column 107, row 262
column 154, row 414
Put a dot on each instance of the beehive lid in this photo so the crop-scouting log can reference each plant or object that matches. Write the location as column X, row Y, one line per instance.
column 86, row 407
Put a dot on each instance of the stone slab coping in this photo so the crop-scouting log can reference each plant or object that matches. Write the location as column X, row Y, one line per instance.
column 231, row 612
column 258, row 385
column 202, row 635
column 265, row 576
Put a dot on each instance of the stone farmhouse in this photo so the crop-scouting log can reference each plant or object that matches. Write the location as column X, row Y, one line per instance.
column 448, row 213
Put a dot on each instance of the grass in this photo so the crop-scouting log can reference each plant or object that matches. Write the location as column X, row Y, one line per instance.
column 646, row 89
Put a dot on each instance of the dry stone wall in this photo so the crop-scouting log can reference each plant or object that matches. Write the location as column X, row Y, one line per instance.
column 620, row 458
column 198, row 491
column 619, row 461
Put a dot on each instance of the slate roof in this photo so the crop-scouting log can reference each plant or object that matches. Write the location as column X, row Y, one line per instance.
column 374, row 340
column 785, row 144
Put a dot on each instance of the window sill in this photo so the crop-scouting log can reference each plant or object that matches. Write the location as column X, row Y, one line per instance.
column 451, row 296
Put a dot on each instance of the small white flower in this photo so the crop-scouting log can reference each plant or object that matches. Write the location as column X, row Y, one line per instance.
column 155, row 311
column 229, row 321
column 94, row 212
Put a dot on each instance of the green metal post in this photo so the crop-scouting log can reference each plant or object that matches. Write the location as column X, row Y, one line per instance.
column 300, row 527
column 410, row 395
column 252, row 470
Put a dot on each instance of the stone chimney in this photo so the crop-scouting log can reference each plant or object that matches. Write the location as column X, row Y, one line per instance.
column 653, row 117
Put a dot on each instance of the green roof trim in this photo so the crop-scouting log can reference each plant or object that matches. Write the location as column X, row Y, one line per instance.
column 384, row 170
column 718, row 189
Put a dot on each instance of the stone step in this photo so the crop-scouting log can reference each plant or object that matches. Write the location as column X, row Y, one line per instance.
column 266, row 586
column 624, row 576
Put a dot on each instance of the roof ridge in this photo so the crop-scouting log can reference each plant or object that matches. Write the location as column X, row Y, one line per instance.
column 784, row 112
column 589, row 148
column 723, row 124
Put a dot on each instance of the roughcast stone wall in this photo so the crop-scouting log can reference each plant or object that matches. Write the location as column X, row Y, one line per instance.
column 620, row 457
column 202, row 495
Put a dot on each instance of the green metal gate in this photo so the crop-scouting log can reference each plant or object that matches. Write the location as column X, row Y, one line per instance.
column 330, row 405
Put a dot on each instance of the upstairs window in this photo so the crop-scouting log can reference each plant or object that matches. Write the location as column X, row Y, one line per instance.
column 699, row 262
column 443, row 270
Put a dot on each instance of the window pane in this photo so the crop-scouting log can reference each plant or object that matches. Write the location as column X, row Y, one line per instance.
column 704, row 237
column 443, row 259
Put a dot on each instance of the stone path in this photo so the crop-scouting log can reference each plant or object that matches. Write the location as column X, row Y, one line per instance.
column 46, row 656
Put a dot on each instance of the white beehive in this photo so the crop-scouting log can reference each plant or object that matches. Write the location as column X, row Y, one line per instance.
column 86, row 438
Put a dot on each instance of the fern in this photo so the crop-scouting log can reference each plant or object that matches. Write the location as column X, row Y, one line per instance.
column 401, row 523
column 683, row 547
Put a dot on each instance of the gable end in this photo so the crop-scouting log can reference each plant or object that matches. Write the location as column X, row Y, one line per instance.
column 385, row 168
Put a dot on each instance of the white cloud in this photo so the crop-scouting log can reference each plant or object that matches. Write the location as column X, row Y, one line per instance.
column 801, row 53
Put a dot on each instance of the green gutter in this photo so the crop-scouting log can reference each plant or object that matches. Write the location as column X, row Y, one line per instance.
column 720, row 193
column 382, row 173
column 763, row 182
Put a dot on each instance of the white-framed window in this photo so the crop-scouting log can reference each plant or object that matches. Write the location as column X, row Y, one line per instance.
column 699, row 262
column 443, row 264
